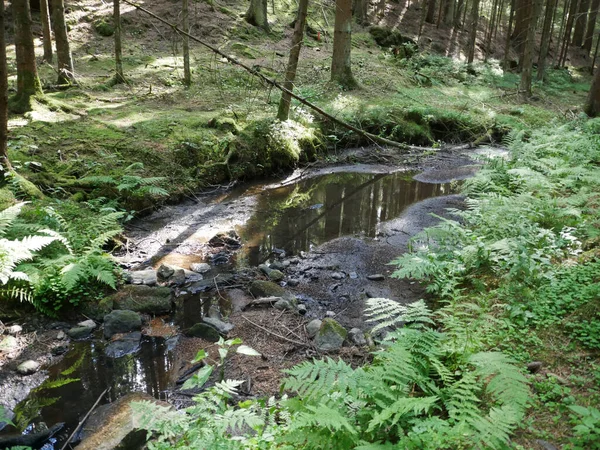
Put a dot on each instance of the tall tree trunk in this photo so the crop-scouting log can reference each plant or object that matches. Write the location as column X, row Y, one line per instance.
column 341, row 71
column 360, row 10
column 46, row 30
column 458, row 13
column 119, row 76
column 430, row 17
column 595, row 56
column 558, row 48
column 187, row 73
column 441, row 11
column 4, row 161
column 490, row 30
column 449, row 15
column 257, row 14
column 580, row 22
column 527, row 67
column 592, row 105
column 522, row 18
column 546, row 35
column 28, row 82
column 591, row 26
column 499, row 19
column 290, row 73
column 66, row 73
column 473, row 32
column 511, row 16
column 464, row 16
column 567, row 34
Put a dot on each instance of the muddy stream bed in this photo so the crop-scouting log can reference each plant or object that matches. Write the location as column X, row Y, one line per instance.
column 329, row 231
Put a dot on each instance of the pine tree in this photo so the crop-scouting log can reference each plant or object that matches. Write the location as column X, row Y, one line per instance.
column 46, row 30
column 592, row 105
column 66, row 71
column 257, row 14
column 341, row 71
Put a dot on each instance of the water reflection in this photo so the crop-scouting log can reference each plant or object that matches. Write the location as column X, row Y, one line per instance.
column 300, row 216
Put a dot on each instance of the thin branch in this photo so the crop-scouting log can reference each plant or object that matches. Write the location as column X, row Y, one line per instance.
column 275, row 334
column 84, row 419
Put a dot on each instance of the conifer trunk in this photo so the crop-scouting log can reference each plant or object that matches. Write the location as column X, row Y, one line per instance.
column 449, row 15
column 558, row 47
column 341, row 70
column 580, row 22
column 527, row 66
column 360, row 10
column 257, row 14
column 66, row 73
column 522, row 18
column 473, row 31
column 290, row 74
column 430, row 17
column 28, row 82
column 511, row 16
column 546, row 35
column 119, row 76
column 46, row 30
column 458, row 13
column 490, row 29
column 4, row 161
column 591, row 26
column 567, row 34
column 592, row 105
column 187, row 74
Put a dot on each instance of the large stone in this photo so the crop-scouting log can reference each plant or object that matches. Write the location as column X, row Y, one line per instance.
column 190, row 275
column 87, row 323
column 273, row 274
column 14, row 329
column 8, row 343
column 312, row 328
column 143, row 299
column 165, row 272
column 284, row 304
column 204, row 331
column 260, row 288
column 145, row 277
column 331, row 336
column 357, row 337
column 199, row 267
column 28, row 367
column 80, row 332
column 125, row 345
column 121, row 321
column 222, row 327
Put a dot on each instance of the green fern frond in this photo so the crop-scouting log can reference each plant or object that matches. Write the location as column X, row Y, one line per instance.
column 71, row 274
column 8, row 216
column 313, row 379
column 390, row 415
column 323, row 416
column 96, row 180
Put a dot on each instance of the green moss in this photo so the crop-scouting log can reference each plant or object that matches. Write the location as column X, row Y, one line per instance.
column 104, row 27
column 246, row 51
column 25, row 188
column 329, row 325
column 226, row 124
column 6, row 199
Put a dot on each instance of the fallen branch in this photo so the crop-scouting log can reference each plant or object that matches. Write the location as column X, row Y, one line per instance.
column 272, row 82
column 82, row 421
column 275, row 334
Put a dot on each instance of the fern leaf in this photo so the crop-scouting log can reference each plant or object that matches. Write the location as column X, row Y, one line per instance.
column 71, row 274
column 8, row 216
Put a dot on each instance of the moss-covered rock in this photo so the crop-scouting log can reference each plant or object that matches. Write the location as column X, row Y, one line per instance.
column 387, row 37
column 104, row 27
column 226, row 124
column 203, row 331
column 245, row 50
column 6, row 199
column 260, row 288
column 331, row 335
column 144, row 299
column 25, row 187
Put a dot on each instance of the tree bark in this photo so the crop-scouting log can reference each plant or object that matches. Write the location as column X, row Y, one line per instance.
column 473, row 32
column 460, row 4
column 527, row 66
column 546, row 35
column 187, row 73
column 591, row 26
column 119, row 76
column 567, row 34
column 490, row 30
column 341, row 70
column 360, row 10
column 557, row 51
column 46, row 30
column 4, row 161
column 511, row 16
column 28, row 82
column 66, row 73
column 430, row 17
column 592, row 105
column 257, row 14
column 523, row 10
column 290, row 74
column 580, row 22
column 441, row 12
column 449, row 15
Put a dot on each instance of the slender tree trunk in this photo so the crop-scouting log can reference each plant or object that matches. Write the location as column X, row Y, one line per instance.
column 187, row 73
column 458, row 13
column 257, row 14
column 580, row 22
column 464, row 16
column 499, row 19
column 28, row 82
column 341, row 70
column 591, row 26
column 592, row 105
column 449, row 15
column 568, row 30
column 546, row 35
column 522, row 18
column 119, row 76
column 441, row 11
column 527, row 67
column 360, row 10
column 46, row 30
column 473, row 32
column 595, row 56
column 422, row 21
column 4, row 161
column 290, row 74
column 66, row 72
column 511, row 16
column 430, row 18
column 490, row 30
column 558, row 48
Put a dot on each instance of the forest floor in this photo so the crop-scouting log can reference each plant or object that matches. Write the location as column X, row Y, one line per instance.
column 94, row 129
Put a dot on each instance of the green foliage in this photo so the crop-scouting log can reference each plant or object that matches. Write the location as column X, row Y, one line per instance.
column 586, row 428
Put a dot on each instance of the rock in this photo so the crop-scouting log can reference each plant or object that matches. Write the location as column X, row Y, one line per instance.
column 229, row 239
column 145, row 277
column 278, row 265
column 204, row 331
column 284, row 304
column 222, row 327
column 376, row 277
column 125, row 345
column 295, row 261
column 143, row 299
column 239, row 299
column 214, row 312
column 331, row 336
column 121, row 321
column 80, row 332
column 165, row 272
column 353, row 275
column 192, row 276
column 337, row 276
column 28, row 367
column 8, row 344
column 14, row 329
column 87, row 323
column 199, row 267
column 274, row 275
column 301, row 308
column 329, row 314
column 293, row 282
column 61, row 335
column 178, row 278
column 534, row 366
column 357, row 337
column 312, row 328
column 60, row 349
column 370, row 293
column 546, row 445
column 260, row 288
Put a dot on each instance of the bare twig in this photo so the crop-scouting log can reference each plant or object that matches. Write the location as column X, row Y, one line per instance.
column 84, row 419
column 275, row 334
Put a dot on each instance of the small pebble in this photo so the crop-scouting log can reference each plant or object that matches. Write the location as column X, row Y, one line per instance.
column 14, row 329
column 61, row 335
column 376, row 277
column 329, row 314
